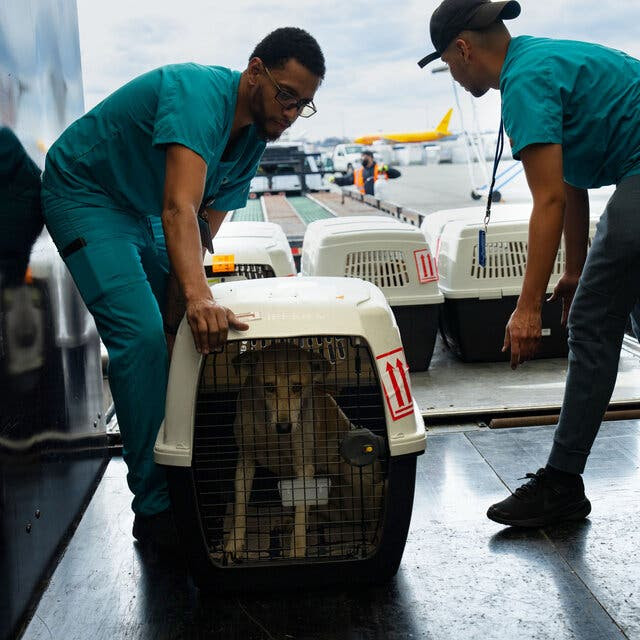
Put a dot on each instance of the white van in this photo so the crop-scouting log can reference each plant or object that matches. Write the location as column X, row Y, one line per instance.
column 346, row 157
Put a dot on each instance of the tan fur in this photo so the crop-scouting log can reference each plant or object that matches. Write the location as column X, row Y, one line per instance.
column 280, row 389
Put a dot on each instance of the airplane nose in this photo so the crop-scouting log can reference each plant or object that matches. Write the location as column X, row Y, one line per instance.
column 283, row 427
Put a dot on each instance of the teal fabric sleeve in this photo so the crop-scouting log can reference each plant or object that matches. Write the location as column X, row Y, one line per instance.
column 531, row 93
column 185, row 114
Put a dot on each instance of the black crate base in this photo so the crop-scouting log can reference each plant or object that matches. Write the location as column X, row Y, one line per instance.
column 418, row 325
column 474, row 329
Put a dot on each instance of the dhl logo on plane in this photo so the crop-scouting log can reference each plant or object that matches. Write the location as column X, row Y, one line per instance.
column 441, row 131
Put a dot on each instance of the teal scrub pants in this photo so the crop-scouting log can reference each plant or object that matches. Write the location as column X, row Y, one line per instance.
column 119, row 264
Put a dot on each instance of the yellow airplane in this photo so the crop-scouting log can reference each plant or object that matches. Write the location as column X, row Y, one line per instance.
column 441, row 131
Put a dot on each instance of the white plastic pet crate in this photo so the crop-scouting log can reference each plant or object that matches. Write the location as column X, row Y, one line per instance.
column 479, row 300
column 433, row 223
column 249, row 251
column 291, row 454
column 394, row 256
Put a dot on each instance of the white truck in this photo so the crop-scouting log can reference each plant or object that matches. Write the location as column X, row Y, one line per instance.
column 346, row 157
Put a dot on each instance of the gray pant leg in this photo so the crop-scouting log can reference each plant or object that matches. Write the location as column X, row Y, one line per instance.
column 635, row 320
column 607, row 292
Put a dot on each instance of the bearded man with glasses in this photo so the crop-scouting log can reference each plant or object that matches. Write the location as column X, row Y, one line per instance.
column 131, row 192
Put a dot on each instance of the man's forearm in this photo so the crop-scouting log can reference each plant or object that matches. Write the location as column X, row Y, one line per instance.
column 343, row 181
column 175, row 304
column 576, row 229
column 545, row 231
column 185, row 251
column 215, row 218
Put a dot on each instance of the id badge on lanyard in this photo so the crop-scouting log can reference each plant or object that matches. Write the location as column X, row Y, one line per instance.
column 482, row 234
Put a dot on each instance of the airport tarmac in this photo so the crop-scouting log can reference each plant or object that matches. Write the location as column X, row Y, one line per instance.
column 433, row 187
column 429, row 188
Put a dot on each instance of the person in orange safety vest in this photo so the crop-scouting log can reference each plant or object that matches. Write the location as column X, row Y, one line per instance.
column 364, row 177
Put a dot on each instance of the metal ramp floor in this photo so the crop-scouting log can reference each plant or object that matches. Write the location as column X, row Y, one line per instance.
column 462, row 576
column 451, row 389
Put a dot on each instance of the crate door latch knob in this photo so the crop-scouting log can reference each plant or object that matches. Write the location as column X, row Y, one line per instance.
column 361, row 447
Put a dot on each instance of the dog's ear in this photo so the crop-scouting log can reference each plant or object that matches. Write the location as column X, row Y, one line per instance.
column 245, row 362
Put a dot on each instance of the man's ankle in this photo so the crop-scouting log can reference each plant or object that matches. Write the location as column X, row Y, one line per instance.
column 563, row 478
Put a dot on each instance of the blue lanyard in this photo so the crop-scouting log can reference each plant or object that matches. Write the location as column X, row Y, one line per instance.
column 482, row 234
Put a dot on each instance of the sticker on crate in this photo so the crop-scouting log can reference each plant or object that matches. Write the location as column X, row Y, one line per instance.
column 395, row 383
column 249, row 316
column 223, row 263
column 426, row 266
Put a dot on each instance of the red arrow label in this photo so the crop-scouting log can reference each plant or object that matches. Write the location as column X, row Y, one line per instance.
column 394, row 383
column 405, row 382
column 426, row 267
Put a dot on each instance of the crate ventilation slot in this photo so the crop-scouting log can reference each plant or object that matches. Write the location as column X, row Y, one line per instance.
column 508, row 260
column 380, row 267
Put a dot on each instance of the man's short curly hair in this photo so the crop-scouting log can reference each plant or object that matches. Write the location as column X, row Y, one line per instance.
column 290, row 42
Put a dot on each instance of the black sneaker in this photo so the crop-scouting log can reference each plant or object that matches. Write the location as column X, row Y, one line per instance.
column 540, row 502
column 158, row 530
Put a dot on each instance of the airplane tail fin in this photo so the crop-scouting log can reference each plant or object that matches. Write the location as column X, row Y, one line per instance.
column 443, row 127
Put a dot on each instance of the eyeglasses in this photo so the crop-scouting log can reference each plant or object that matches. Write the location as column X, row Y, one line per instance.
column 285, row 99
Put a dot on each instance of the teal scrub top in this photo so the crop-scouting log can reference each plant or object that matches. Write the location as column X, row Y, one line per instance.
column 114, row 156
column 583, row 96
column 19, row 172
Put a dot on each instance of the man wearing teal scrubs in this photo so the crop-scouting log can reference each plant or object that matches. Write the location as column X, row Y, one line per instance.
column 572, row 111
column 20, row 216
column 179, row 145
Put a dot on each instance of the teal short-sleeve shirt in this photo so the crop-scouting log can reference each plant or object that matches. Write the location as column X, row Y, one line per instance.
column 582, row 96
column 114, row 156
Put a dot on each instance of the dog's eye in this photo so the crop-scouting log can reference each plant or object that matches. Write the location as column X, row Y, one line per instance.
column 270, row 388
column 296, row 388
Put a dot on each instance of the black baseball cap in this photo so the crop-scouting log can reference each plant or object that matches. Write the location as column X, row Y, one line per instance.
column 455, row 16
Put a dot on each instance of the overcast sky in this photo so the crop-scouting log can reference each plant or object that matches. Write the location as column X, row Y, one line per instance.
column 371, row 48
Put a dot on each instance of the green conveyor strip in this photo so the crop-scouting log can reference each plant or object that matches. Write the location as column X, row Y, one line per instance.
column 251, row 213
column 307, row 209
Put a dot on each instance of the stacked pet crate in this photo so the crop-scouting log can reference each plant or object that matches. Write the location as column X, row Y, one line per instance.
column 479, row 300
column 291, row 454
column 248, row 251
column 395, row 257
column 434, row 223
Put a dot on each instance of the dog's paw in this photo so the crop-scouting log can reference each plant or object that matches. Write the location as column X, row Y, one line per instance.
column 235, row 544
column 297, row 552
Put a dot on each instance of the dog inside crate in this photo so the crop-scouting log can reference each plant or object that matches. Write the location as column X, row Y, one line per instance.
column 290, row 450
